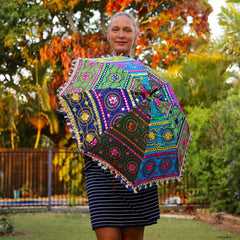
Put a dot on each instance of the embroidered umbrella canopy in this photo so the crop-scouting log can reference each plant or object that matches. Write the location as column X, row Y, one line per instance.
column 127, row 118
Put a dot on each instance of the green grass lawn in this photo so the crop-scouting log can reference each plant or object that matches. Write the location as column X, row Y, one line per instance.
column 63, row 226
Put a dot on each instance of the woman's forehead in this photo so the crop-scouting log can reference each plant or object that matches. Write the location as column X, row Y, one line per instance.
column 122, row 21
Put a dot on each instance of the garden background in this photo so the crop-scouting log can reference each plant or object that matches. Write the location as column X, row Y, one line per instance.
column 40, row 38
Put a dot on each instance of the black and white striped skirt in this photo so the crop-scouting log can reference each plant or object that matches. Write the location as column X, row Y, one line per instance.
column 112, row 205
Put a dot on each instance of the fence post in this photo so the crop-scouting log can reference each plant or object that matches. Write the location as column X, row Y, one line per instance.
column 49, row 178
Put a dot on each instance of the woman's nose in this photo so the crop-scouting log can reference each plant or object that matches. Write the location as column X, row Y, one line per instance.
column 121, row 34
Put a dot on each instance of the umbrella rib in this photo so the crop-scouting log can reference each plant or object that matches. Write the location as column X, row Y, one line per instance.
column 127, row 139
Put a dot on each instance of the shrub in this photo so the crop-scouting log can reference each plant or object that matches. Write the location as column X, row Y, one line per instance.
column 72, row 165
column 6, row 221
column 214, row 154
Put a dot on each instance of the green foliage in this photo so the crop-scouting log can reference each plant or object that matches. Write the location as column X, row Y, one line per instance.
column 72, row 165
column 25, row 27
column 200, row 80
column 214, row 154
column 6, row 221
column 229, row 19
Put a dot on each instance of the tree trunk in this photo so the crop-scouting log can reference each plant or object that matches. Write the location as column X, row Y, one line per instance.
column 102, row 11
column 38, row 137
column 70, row 20
column 12, row 139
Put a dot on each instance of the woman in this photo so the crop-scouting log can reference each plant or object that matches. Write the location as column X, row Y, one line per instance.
column 117, row 213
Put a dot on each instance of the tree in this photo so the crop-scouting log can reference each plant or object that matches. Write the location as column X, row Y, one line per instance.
column 56, row 31
column 25, row 26
column 10, row 108
column 201, row 79
column 169, row 31
column 229, row 43
column 214, row 153
column 41, row 111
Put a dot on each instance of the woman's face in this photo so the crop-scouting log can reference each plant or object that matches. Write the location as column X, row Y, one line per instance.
column 121, row 35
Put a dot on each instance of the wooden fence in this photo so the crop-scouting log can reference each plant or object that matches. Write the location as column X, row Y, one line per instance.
column 30, row 177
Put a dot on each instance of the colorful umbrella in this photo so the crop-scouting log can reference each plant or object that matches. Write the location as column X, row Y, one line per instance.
column 127, row 118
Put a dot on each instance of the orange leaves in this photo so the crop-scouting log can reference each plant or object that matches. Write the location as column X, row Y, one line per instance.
column 53, row 51
column 171, row 51
column 60, row 5
column 116, row 6
column 171, row 32
column 72, row 3
column 78, row 51
column 58, row 49
column 157, row 58
column 60, row 53
column 168, row 30
column 74, row 46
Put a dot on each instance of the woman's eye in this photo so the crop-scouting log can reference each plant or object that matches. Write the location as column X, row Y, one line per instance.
column 128, row 30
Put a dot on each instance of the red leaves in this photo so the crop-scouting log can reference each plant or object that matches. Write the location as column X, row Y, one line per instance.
column 60, row 53
column 117, row 5
column 168, row 34
column 167, row 54
column 172, row 33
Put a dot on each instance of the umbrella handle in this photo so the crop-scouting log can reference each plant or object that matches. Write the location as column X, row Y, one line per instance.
column 153, row 91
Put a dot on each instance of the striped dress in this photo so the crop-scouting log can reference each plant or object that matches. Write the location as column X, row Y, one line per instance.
column 112, row 205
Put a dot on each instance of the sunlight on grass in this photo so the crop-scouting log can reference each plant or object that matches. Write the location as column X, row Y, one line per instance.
column 59, row 226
